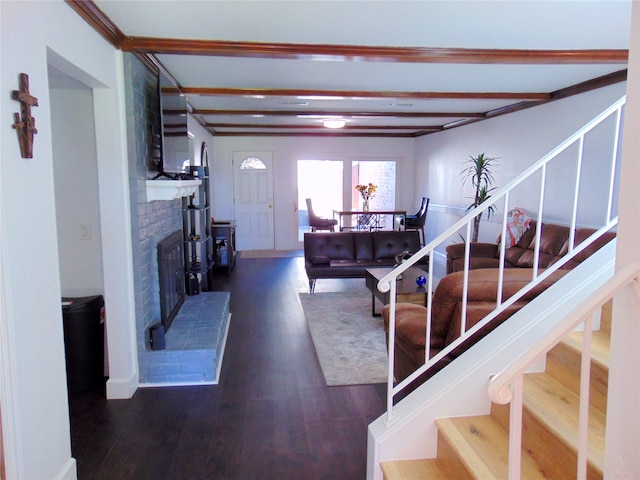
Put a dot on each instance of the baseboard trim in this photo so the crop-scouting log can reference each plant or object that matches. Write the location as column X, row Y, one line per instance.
column 122, row 389
column 175, row 384
column 69, row 471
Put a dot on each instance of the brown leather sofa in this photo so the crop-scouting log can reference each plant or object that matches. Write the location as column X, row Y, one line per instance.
column 482, row 290
column 349, row 254
column 554, row 244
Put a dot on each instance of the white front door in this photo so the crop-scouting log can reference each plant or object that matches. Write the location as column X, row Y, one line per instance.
column 253, row 198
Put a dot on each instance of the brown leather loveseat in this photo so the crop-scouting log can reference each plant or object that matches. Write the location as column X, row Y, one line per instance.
column 482, row 290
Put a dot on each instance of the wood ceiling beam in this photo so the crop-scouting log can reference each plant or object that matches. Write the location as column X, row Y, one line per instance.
column 593, row 84
column 145, row 49
column 354, row 94
column 336, row 113
column 363, row 53
column 93, row 15
column 321, row 127
column 589, row 85
column 326, row 133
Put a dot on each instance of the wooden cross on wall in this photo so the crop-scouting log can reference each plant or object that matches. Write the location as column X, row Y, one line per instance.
column 26, row 127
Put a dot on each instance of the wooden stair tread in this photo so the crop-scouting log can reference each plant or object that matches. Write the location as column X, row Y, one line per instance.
column 428, row 469
column 558, row 407
column 564, row 363
column 483, row 446
column 477, row 446
column 600, row 351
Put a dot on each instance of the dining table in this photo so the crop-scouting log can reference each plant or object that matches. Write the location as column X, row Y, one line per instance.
column 370, row 220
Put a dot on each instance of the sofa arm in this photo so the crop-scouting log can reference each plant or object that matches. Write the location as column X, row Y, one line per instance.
column 481, row 255
column 483, row 285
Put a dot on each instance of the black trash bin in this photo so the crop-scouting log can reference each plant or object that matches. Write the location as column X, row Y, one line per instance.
column 83, row 322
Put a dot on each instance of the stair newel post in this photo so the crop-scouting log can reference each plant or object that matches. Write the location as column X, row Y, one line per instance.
column 515, row 428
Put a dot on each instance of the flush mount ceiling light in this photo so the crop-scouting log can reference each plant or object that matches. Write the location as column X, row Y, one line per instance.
column 396, row 104
column 319, row 97
column 295, row 103
column 334, row 123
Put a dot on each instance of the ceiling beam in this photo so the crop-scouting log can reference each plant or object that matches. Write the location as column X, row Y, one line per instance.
column 326, row 133
column 354, row 94
column 324, row 113
column 363, row 53
column 322, row 127
column 93, row 15
column 589, row 85
column 146, row 48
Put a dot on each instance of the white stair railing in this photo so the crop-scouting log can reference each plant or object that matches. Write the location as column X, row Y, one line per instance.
column 507, row 386
column 388, row 283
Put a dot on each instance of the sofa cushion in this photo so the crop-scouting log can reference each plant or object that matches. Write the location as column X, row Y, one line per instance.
column 320, row 260
column 338, row 245
column 477, row 262
column 362, row 246
column 553, row 241
column 387, row 244
column 482, row 255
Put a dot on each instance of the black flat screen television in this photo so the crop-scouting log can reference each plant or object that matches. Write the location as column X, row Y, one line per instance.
column 175, row 148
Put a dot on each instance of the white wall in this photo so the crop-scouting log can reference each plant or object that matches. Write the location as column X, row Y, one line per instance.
column 518, row 139
column 33, row 392
column 199, row 135
column 76, row 192
column 286, row 153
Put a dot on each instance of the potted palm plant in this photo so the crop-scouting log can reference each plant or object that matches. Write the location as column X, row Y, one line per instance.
column 480, row 173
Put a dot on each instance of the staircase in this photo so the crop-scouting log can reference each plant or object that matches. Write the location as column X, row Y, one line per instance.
column 477, row 447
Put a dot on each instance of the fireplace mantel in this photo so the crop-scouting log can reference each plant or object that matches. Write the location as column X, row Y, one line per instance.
column 170, row 189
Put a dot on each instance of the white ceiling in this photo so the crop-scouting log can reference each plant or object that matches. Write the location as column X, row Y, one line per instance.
column 381, row 87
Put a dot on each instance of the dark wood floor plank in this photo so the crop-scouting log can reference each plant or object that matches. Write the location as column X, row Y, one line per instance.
column 270, row 417
column 259, row 448
column 370, row 400
column 192, row 452
column 292, row 449
column 226, row 449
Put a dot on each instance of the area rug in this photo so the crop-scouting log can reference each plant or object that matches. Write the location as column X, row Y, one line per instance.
column 349, row 342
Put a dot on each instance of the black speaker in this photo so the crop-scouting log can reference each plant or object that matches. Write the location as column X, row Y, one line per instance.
column 156, row 336
column 193, row 285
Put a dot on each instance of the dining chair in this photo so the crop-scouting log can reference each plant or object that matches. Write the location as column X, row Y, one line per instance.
column 319, row 223
column 417, row 221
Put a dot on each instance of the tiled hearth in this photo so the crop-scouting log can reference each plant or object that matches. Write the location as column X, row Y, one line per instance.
column 194, row 344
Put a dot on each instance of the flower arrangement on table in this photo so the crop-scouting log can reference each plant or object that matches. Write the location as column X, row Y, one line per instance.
column 367, row 192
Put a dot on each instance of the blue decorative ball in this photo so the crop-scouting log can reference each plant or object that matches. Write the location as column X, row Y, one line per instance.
column 420, row 280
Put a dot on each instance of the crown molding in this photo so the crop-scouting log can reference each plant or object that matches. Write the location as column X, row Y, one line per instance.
column 98, row 20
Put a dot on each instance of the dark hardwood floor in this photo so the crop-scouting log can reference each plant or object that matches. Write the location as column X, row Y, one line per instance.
column 270, row 417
